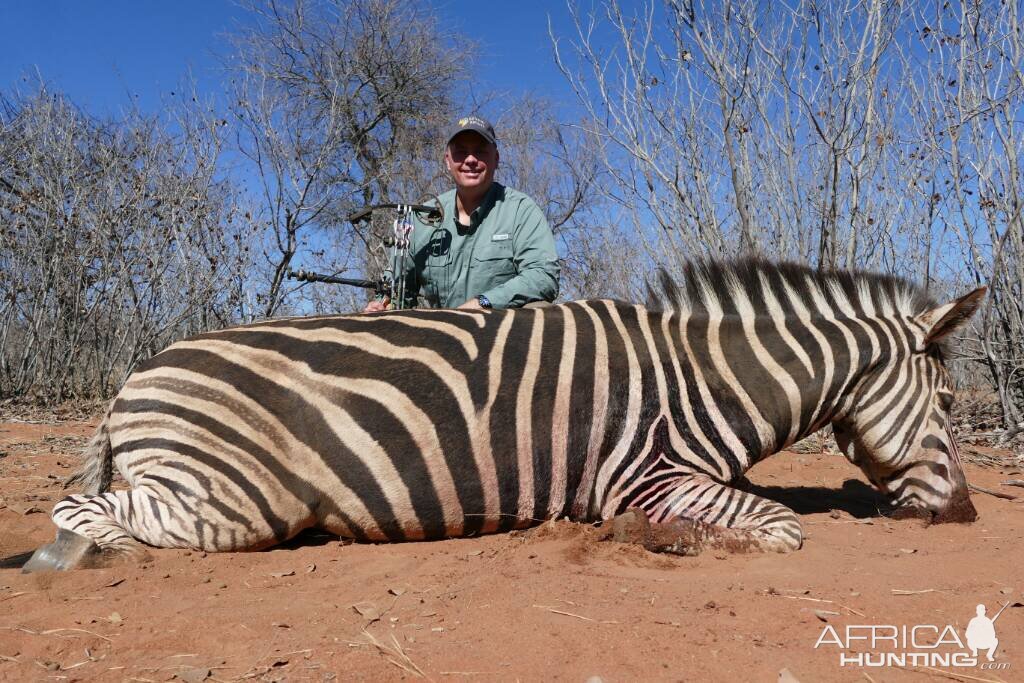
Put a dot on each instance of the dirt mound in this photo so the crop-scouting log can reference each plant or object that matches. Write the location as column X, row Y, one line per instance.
column 589, row 544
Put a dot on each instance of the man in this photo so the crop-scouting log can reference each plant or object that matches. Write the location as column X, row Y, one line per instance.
column 981, row 633
column 493, row 248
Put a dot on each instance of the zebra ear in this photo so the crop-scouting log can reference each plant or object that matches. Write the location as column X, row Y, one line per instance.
column 944, row 320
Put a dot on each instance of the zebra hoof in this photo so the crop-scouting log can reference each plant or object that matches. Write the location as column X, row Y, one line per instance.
column 69, row 551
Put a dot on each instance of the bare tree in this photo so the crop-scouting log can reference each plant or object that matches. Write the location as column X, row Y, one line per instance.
column 337, row 103
column 847, row 134
column 752, row 125
column 117, row 237
column 968, row 131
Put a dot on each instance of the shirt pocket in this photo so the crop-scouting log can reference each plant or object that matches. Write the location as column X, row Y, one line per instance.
column 493, row 260
column 437, row 276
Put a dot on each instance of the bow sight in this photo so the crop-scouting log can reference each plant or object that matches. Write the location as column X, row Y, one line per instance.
column 390, row 252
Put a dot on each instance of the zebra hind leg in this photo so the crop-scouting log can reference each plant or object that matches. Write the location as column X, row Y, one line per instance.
column 698, row 513
column 161, row 511
column 68, row 551
column 88, row 535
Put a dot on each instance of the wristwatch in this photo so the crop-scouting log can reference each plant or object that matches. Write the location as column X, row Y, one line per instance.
column 484, row 301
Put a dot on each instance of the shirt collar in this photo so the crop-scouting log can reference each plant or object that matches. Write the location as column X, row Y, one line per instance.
column 480, row 212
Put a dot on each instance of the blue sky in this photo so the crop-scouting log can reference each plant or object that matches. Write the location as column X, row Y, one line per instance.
column 101, row 54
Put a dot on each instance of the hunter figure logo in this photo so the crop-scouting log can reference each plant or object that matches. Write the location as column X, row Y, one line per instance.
column 879, row 645
column 981, row 633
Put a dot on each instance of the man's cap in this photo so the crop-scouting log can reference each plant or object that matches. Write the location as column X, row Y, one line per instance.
column 475, row 124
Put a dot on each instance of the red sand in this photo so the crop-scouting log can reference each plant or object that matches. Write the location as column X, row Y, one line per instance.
column 551, row 603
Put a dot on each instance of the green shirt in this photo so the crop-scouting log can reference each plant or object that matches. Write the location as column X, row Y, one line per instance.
column 507, row 253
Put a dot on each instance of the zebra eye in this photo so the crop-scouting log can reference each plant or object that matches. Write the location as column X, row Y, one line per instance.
column 946, row 401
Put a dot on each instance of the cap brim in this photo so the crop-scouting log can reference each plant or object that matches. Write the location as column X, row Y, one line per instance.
column 479, row 130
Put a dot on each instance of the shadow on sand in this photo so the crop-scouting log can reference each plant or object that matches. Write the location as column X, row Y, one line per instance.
column 15, row 561
column 855, row 498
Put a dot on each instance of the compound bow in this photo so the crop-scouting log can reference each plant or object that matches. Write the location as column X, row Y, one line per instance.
column 390, row 254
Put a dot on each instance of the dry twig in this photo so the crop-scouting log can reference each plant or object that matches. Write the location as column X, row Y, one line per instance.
column 13, row 595
column 53, row 631
column 396, row 655
column 570, row 614
column 997, row 494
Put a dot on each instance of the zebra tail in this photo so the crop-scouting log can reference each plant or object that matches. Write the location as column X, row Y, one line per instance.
column 97, row 468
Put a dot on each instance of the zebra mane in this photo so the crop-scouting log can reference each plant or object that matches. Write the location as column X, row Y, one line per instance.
column 750, row 287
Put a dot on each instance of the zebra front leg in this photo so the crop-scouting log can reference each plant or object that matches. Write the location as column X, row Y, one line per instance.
column 697, row 513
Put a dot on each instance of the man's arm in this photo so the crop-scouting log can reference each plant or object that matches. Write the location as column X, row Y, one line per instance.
column 535, row 258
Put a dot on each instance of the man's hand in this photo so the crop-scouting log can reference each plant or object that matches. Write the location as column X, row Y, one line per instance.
column 473, row 304
column 377, row 305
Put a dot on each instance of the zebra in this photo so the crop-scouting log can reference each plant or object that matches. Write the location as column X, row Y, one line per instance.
column 430, row 424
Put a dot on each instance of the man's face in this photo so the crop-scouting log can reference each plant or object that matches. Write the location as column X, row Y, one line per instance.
column 471, row 160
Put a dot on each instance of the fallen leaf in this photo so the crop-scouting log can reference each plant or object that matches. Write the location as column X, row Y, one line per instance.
column 281, row 575
column 396, row 591
column 115, row 618
column 824, row 614
column 311, row 568
column 113, row 583
column 367, row 610
column 32, row 510
column 786, row 676
column 908, row 551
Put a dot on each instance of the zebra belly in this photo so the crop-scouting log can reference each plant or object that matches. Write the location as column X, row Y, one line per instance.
column 236, row 462
column 294, row 424
column 235, row 470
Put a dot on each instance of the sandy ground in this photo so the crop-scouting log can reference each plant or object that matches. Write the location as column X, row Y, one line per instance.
column 551, row 603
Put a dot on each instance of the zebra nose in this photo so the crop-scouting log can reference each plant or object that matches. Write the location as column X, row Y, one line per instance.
column 959, row 509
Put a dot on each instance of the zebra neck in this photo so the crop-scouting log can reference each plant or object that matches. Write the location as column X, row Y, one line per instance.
column 768, row 383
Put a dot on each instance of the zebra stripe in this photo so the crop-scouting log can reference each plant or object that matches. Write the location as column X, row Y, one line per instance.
column 430, row 424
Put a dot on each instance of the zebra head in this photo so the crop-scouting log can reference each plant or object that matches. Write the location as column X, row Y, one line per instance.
column 896, row 424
